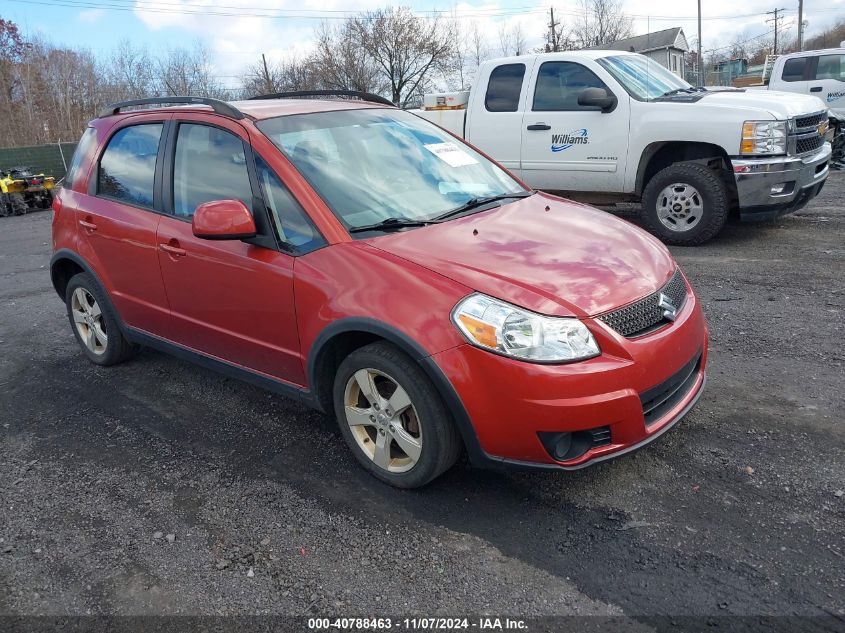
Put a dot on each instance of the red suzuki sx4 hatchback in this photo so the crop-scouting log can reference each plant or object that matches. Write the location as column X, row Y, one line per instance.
column 361, row 259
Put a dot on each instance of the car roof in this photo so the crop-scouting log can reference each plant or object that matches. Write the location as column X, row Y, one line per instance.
column 260, row 109
column 820, row 51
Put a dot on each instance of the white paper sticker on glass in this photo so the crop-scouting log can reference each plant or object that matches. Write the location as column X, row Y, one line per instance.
column 451, row 154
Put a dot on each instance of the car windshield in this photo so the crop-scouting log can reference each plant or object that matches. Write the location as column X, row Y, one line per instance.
column 372, row 165
column 643, row 78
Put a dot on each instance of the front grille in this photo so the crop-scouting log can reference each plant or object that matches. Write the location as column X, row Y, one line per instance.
column 646, row 315
column 808, row 143
column 658, row 400
column 804, row 137
column 812, row 120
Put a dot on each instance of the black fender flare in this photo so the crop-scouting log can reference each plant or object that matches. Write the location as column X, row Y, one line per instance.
column 65, row 253
column 413, row 349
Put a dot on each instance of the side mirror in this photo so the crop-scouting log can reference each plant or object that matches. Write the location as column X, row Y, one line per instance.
column 597, row 98
column 223, row 220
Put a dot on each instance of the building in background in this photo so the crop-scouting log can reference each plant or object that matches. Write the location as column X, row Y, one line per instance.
column 667, row 47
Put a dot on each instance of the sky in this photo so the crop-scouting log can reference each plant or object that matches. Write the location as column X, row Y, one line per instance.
column 238, row 31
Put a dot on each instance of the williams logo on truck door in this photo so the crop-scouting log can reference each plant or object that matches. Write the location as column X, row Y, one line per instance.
column 834, row 96
column 561, row 142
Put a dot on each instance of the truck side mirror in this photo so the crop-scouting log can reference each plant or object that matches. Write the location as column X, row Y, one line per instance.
column 598, row 98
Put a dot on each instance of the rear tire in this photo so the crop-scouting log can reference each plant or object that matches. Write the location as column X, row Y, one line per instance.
column 685, row 204
column 393, row 418
column 18, row 204
column 94, row 324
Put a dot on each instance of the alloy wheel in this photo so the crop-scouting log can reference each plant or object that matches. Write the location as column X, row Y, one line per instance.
column 88, row 318
column 383, row 420
column 680, row 207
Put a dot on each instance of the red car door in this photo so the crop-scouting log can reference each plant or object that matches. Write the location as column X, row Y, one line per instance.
column 229, row 299
column 118, row 221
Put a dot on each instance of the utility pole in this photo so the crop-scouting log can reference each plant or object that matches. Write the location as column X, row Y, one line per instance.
column 268, row 85
column 700, row 60
column 775, row 20
column 800, row 25
column 554, row 43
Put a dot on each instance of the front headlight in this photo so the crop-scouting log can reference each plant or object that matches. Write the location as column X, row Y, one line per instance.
column 501, row 327
column 763, row 137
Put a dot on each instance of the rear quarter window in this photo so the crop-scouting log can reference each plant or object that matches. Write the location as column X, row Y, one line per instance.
column 793, row 69
column 504, row 88
column 83, row 149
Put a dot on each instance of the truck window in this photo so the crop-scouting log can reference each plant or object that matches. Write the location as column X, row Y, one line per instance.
column 831, row 67
column 560, row 83
column 793, row 69
column 504, row 88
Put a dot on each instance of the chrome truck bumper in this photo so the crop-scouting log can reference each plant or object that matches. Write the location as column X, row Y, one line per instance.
column 771, row 187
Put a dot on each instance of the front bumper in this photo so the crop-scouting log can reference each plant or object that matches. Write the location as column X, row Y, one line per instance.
column 514, row 405
column 802, row 180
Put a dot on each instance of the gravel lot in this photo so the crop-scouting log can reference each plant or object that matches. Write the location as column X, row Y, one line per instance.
column 159, row 487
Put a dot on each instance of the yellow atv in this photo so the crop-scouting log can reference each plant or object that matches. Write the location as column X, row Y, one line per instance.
column 22, row 190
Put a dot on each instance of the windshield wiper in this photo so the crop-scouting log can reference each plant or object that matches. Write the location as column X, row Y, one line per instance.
column 390, row 224
column 474, row 203
column 687, row 90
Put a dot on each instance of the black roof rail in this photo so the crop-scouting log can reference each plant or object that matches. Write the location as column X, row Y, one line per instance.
column 220, row 107
column 355, row 94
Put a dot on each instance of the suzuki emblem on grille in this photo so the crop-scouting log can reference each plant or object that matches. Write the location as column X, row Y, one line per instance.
column 669, row 309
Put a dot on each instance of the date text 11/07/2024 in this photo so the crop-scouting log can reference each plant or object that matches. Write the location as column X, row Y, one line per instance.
column 486, row 623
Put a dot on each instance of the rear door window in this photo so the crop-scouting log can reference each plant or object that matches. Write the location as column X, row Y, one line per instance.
column 127, row 166
column 504, row 88
column 793, row 69
column 210, row 165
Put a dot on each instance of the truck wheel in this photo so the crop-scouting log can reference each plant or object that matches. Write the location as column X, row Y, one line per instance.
column 392, row 417
column 19, row 206
column 685, row 204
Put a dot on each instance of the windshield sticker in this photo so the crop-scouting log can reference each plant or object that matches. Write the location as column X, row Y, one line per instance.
column 561, row 142
column 451, row 154
column 835, row 96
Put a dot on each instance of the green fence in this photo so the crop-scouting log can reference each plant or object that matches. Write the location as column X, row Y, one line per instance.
column 50, row 159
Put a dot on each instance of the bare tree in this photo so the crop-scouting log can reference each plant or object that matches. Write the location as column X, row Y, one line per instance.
column 184, row 71
column 512, row 39
column 341, row 62
column 265, row 77
column 406, row 49
column 601, row 22
column 128, row 72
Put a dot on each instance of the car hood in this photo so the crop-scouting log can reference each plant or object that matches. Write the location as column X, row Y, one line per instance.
column 780, row 105
column 543, row 253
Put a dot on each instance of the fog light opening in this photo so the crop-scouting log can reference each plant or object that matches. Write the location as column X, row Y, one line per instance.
column 782, row 188
column 567, row 446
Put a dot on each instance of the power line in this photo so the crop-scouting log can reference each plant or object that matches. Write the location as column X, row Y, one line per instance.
column 223, row 10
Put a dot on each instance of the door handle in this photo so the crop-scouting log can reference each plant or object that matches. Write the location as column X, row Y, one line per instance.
column 816, row 89
column 539, row 126
column 88, row 226
column 175, row 251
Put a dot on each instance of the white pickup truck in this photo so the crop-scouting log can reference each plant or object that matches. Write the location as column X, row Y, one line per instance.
column 818, row 73
column 609, row 126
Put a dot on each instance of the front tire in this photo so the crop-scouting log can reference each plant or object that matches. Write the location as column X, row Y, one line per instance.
column 685, row 204
column 392, row 417
column 94, row 324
